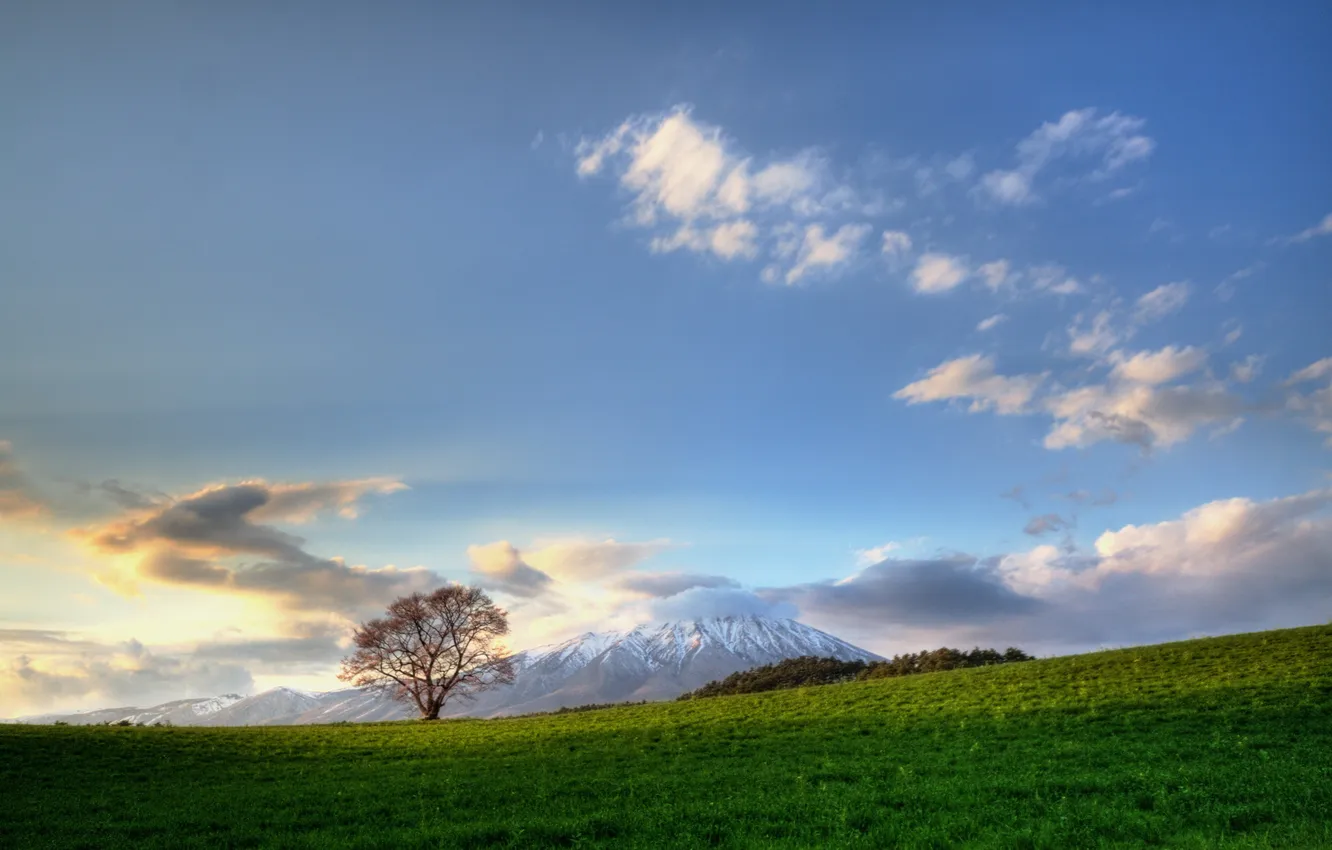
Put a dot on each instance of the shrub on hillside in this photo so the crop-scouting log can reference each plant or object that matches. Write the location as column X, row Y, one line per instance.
column 809, row 670
column 790, row 673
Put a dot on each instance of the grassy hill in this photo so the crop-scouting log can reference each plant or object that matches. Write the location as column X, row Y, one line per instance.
column 1223, row 742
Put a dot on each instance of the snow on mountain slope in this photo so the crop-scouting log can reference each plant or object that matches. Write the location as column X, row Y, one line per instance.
column 648, row 662
column 181, row 712
column 652, row 661
column 271, row 708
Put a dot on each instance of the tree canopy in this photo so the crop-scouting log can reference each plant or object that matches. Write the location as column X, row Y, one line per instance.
column 431, row 648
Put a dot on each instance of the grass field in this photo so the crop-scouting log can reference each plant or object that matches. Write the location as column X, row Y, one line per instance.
column 1223, row 742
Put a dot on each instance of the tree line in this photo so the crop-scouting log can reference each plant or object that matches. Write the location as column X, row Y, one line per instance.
column 811, row 670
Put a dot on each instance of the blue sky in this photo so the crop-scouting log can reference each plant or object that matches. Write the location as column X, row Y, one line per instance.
column 491, row 255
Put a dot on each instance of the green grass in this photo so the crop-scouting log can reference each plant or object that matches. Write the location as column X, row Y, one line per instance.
column 1223, row 742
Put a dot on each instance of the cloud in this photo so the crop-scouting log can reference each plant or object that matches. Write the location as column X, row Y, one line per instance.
column 1315, row 407
column 1235, row 331
column 973, row 377
column 1225, row 290
column 1158, row 367
column 1086, row 497
column 1092, row 340
column 1313, row 372
column 1053, row 279
column 18, row 499
column 1133, row 407
column 42, row 670
column 895, row 244
column 820, row 252
column 1045, row 523
column 1225, row 566
column 691, row 186
column 127, row 498
column 1322, row 228
column 215, row 539
column 1161, row 302
column 991, row 322
column 960, row 168
column 1138, row 414
column 1111, row 141
column 500, row 566
column 936, row 273
column 996, row 274
column 315, row 649
column 875, row 554
column 662, row 585
column 703, row 602
column 1247, row 369
column 579, row 560
column 939, row 591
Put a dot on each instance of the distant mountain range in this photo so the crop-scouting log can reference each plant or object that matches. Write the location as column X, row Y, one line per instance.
column 648, row 662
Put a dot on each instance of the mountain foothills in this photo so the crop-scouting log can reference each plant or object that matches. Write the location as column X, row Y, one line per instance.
column 648, row 662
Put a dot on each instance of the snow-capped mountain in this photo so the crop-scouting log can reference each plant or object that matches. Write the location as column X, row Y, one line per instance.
column 652, row 662
column 648, row 662
column 181, row 712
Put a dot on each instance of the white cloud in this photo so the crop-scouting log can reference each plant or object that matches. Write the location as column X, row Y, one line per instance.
column 818, row 251
column 1054, row 279
column 973, row 377
column 875, row 554
column 1159, row 367
column 1008, row 187
column 991, row 322
column 1234, row 333
column 734, row 239
column 1112, row 140
column 1322, row 228
column 1246, row 370
column 1225, row 290
column 960, row 168
column 1095, row 340
column 1137, row 413
column 693, row 189
column 1161, row 301
column 1191, row 544
column 936, row 273
column 996, row 274
column 895, row 243
column 1313, row 372
column 1315, row 406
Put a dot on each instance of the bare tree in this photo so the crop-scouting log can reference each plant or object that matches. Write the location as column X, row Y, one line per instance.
column 432, row 648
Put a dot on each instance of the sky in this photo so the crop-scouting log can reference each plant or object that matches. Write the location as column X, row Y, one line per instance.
column 923, row 323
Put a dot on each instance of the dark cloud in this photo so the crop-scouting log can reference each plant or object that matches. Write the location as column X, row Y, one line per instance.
column 1045, row 523
column 18, row 498
column 662, row 585
column 207, row 540
column 945, row 590
column 499, row 566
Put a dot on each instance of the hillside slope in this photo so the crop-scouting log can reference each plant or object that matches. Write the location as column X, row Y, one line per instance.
column 1223, row 742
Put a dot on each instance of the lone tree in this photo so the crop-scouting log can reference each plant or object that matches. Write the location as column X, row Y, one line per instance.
column 432, row 648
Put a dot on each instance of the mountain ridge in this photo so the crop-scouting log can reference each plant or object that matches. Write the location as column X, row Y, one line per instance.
column 650, row 661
